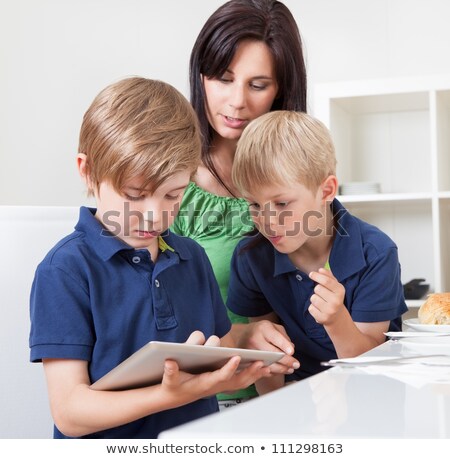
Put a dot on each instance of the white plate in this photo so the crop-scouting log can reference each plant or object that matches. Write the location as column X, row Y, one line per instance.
column 429, row 344
column 415, row 325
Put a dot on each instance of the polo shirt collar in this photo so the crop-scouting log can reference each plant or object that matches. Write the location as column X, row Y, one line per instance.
column 176, row 243
column 347, row 255
column 106, row 245
column 282, row 263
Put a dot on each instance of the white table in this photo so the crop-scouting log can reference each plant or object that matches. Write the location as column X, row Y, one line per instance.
column 335, row 404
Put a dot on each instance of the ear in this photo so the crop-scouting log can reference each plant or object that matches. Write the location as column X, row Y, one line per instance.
column 83, row 170
column 81, row 165
column 329, row 188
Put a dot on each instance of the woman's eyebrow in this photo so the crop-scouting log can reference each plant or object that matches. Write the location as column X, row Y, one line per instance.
column 256, row 77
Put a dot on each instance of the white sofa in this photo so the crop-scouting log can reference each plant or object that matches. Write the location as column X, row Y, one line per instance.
column 26, row 235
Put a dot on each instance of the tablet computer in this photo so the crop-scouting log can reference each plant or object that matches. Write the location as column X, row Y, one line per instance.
column 146, row 366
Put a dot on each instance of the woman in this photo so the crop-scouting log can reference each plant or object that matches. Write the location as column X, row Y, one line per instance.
column 246, row 61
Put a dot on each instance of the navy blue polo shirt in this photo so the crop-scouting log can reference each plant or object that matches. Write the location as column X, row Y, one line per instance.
column 95, row 298
column 362, row 258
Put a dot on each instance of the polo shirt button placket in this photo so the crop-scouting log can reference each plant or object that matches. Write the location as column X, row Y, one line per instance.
column 136, row 260
column 156, row 283
column 298, row 277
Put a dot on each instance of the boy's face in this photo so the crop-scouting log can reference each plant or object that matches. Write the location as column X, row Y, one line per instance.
column 135, row 215
column 290, row 216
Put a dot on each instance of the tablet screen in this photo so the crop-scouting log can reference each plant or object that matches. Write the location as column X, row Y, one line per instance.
column 146, row 366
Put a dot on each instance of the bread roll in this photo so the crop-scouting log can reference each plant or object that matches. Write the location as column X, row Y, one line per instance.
column 436, row 310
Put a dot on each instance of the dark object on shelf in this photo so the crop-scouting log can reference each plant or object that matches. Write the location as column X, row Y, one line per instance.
column 415, row 290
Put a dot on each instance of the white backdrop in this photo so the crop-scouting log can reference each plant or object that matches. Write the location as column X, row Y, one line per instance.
column 56, row 55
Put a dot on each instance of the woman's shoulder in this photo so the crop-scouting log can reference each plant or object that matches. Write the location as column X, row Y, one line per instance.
column 205, row 180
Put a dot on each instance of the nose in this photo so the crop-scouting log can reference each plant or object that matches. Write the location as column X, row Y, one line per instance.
column 269, row 220
column 152, row 214
column 237, row 96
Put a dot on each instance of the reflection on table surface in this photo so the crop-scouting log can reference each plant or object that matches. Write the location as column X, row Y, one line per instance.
column 337, row 403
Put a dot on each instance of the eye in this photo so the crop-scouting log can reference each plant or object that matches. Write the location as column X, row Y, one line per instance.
column 282, row 204
column 258, row 86
column 254, row 206
column 133, row 198
column 172, row 197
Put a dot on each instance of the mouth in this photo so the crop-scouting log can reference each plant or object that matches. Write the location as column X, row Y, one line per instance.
column 230, row 118
column 274, row 239
column 235, row 123
column 147, row 234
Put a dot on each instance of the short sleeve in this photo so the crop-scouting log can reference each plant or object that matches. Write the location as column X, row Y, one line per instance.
column 379, row 294
column 244, row 294
column 61, row 319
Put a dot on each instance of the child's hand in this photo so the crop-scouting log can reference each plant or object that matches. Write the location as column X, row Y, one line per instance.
column 184, row 387
column 327, row 303
column 268, row 336
column 197, row 337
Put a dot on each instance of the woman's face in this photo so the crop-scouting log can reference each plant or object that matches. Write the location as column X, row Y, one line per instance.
column 244, row 92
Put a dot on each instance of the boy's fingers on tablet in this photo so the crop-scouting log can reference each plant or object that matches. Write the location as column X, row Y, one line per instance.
column 279, row 340
column 171, row 372
column 196, row 337
column 268, row 336
column 278, row 369
column 286, row 365
column 289, row 361
column 255, row 371
column 229, row 369
column 233, row 363
column 213, row 340
column 249, row 375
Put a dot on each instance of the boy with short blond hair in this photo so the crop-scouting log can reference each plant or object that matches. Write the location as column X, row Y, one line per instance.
column 330, row 279
column 121, row 280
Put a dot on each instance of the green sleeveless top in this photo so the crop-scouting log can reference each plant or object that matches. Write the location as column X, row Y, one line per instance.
column 217, row 223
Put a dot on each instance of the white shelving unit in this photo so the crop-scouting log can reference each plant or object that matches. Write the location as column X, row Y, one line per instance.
column 397, row 132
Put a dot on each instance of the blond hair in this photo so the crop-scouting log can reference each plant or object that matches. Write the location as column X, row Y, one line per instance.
column 139, row 127
column 282, row 148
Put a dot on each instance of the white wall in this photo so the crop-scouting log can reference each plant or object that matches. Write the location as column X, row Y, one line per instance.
column 24, row 405
column 56, row 55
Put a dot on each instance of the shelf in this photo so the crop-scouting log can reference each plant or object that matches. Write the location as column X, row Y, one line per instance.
column 396, row 133
column 444, row 195
column 385, row 197
column 384, row 103
column 378, row 140
column 443, row 138
column 414, row 303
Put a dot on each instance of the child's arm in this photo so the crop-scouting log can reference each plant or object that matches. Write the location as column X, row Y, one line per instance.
column 327, row 307
column 278, row 334
column 78, row 410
